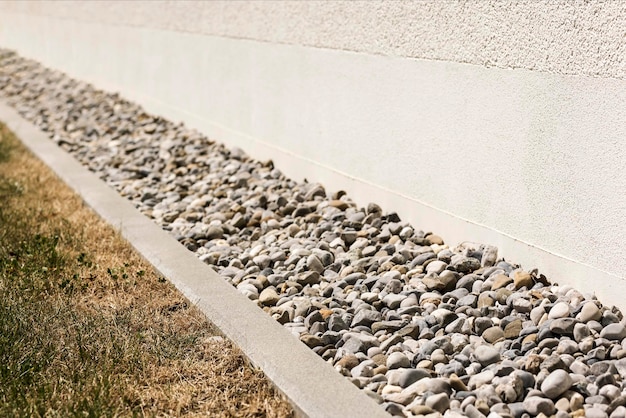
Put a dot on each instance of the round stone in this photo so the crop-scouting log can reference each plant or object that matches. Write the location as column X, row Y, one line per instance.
column 581, row 331
column 465, row 264
column 397, row 360
column 559, row 310
column 433, row 239
column 500, row 281
column 315, row 264
column 436, row 266
column 348, row 361
column 493, row 334
column 513, row 329
column 269, row 297
column 594, row 412
column 536, row 405
column 563, row 326
column 589, row 312
column 214, row 232
column 439, row 402
column 485, row 300
column 410, row 376
column 556, row 384
column 486, row 355
column 311, row 340
column 522, row 279
column 522, row 305
column 614, row 332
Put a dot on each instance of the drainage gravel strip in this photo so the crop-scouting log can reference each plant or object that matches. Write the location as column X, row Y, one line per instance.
column 421, row 327
column 311, row 385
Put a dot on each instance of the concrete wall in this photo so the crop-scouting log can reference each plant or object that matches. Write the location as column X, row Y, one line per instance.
column 485, row 121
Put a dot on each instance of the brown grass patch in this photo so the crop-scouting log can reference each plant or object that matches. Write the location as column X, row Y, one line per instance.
column 97, row 331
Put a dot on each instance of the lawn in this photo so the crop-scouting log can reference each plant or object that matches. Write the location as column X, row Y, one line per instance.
column 87, row 328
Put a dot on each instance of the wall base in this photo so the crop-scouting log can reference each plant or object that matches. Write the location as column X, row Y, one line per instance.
column 529, row 159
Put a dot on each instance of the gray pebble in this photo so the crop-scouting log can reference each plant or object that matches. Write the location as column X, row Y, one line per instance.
column 614, row 332
column 397, row 360
column 439, row 402
column 595, row 413
column 535, row 405
column 556, row 383
column 559, row 310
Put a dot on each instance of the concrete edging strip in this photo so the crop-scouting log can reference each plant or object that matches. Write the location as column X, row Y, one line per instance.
column 313, row 387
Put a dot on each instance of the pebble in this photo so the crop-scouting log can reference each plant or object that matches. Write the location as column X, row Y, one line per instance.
column 480, row 379
column 563, row 326
column 397, row 360
column 486, row 355
column 366, row 317
column 613, row 332
column 589, row 312
column 421, row 326
column 619, row 412
column 439, row 402
column 436, row 266
column 595, row 413
column 493, row 334
column 580, row 332
column 500, row 281
column 410, row 376
column 522, row 305
column 536, row 405
column 559, row 310
column 268, row 296
column 522, row 279
column 556, row 384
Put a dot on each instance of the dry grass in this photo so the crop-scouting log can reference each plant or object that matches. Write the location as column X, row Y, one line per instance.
column 88, row 329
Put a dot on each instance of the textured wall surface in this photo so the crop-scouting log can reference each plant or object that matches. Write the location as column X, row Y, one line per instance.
column 564, row 37
column 508, row 128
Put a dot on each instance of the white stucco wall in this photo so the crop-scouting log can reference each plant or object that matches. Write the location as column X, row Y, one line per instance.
column 562, row 36
column 484, row 121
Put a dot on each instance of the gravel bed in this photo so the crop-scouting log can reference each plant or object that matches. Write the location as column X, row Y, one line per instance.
column 422, row 327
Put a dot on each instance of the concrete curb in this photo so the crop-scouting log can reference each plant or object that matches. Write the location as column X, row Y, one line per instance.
column 310, row 384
